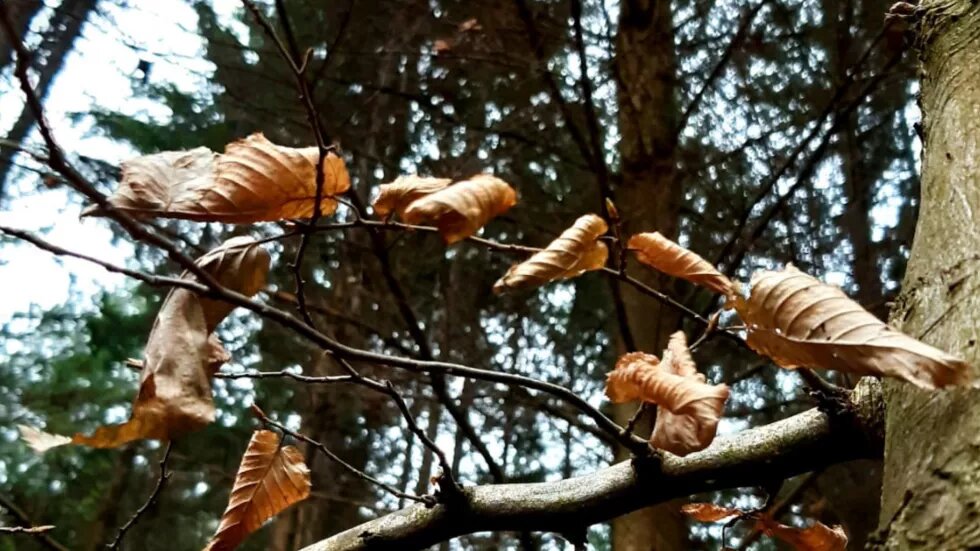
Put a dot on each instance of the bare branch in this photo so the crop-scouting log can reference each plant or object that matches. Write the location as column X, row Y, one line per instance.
column 20, row 516
column 150, row 500
column 783, row 449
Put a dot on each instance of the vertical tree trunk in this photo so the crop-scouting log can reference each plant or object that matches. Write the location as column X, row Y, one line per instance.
column 649, row 200
column 931, row 494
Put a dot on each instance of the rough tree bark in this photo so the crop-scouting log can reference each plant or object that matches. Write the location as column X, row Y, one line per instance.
column 931, row 494
column 649, row 200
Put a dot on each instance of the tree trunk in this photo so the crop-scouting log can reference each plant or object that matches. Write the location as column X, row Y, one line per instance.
column 931, row 494
column 21, row 13
column 649, row 200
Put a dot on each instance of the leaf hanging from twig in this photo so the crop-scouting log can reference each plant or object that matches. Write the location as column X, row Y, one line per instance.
column 175, row 382
column 575, row 251
column 461, row 209
column 270, row 479
column 818, row 537
column 662, row 254
column 395, row 197
column 254, row 180
column 690, row 408
column 800, row 322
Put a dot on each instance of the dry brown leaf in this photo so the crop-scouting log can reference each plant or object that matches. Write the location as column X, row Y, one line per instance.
column 394, row 197
column 575, row 251
column 800, row 322
column 469, row 25
column 666, row 256
column 818, row 537
column 709, row 512
column 254, row 180
column 175, row 382
column 464, row 207
column 690, row 408
column 441, row 46
column 270, row 479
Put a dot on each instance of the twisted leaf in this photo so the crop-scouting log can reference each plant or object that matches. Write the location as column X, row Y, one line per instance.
column 461, row 209
column 576, row 250
column 690, row 408
column 664, row 255
column 254, row 180
column 800, row 322
column 180, row 356
column 396, row 196
column 818, row 537
column 270, row 479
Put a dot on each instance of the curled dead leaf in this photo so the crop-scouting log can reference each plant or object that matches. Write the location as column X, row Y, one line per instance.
column 394, row 197
column 254, row 180
column 800, row 322
column 662, row 254
column 461, row 209
column 690, row 408
column 270, row 479
column 709, row 512
column 818, row 537
column 575, row 251
column 179, row 359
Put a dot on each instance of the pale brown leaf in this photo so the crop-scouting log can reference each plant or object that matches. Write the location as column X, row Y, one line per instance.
column 818, row 537
column 800, row 322
column 254, row 180
column 270, row 479
column 394, row 197
column 664, row 255
column 179, row 359
column 461, row 209
column 709, row 512
column 575, row 251
column 690, row 409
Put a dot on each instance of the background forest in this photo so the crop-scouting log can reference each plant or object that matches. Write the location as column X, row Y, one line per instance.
column 757, row 133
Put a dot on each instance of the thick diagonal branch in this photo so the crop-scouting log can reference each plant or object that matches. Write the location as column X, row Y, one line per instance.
column 802, row 443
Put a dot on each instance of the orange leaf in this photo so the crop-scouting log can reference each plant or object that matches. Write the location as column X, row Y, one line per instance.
column 690, row 408
column 800, row 322
column 709, row 512
column 270, row 479
column 818, row 537
column 175, row 383
column 461, row 209
column 664, row 255
column 576, row 250
column 397, row 195
column 254, row 180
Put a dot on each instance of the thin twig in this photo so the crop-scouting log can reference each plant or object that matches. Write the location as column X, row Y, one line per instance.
column 150, row 501
column 21, row 517
column 428, row 500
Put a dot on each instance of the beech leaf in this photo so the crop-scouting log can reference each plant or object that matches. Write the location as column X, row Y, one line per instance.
column 270, row 479
column 818, row 537
column 575, row 251
column 254, row 180
column 798, row 321
column 709, row 512
column 179, row 359
column 394, row 197
column 461, row 209
column 664, row 255
column 690, row 408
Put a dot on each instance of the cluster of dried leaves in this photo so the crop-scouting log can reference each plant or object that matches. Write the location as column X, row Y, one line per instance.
column 818, row 537
column 789, row 316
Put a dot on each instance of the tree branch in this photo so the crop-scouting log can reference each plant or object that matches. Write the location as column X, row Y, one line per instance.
column 799, row 444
